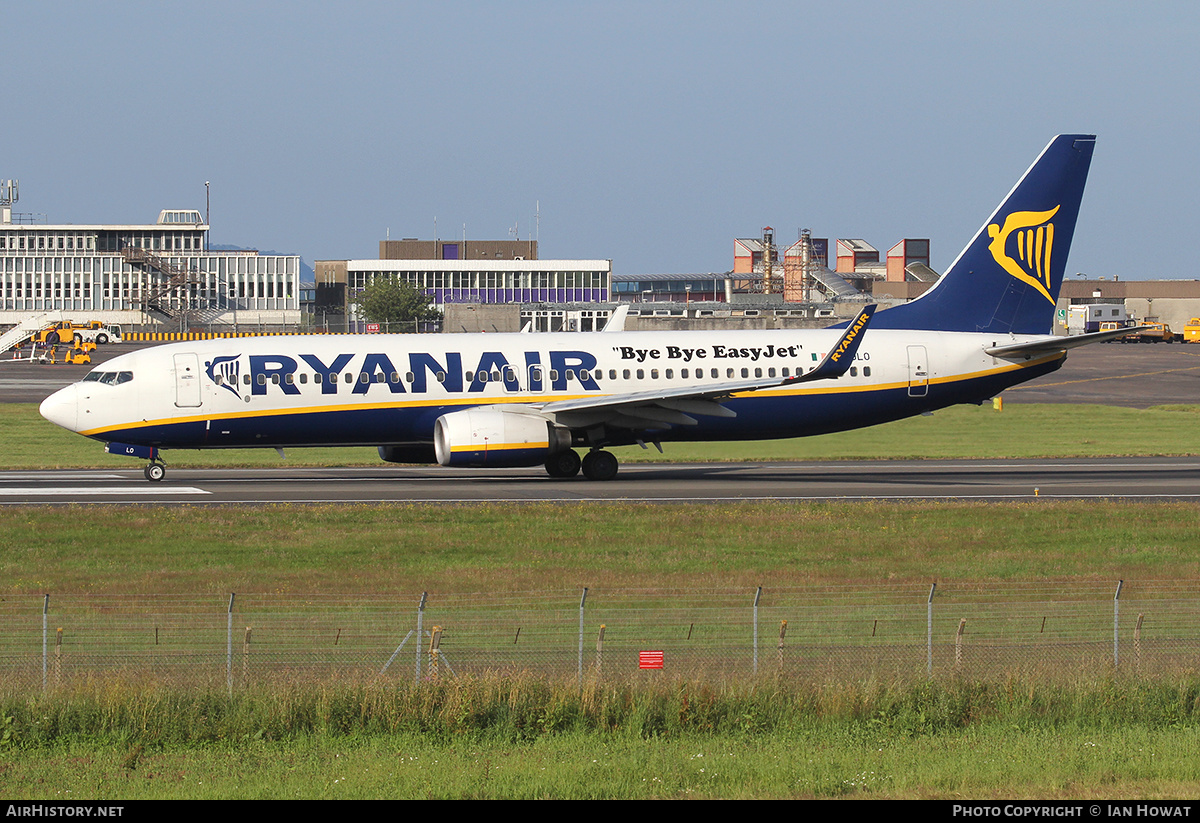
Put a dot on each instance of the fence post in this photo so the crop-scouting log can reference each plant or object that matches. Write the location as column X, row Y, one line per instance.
column 1137, row 645
column 435, row 642
column 1116, row 621
column 958, row 643
column 58, row 657
column 45, row 618
column 229, row 646
column 600, row 650
column 757, row 597
column 929, row 631
column 420, row 633
column 246, row 658
column 579, row 665
column 782, row 635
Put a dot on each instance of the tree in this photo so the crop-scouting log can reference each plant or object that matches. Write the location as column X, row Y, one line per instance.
column 388, row 299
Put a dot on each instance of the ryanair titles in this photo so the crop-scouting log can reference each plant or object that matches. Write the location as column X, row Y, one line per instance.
column 356, row 373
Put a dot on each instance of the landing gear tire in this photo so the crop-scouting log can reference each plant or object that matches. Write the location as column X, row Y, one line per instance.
column 563, row 464
column 599, row 465
column 155, row 472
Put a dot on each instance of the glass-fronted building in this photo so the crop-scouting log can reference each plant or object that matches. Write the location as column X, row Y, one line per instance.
column 162, row 272
column 491, row 281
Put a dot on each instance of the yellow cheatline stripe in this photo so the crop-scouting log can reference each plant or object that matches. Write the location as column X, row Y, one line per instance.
column 500, row 447
column 471, row 402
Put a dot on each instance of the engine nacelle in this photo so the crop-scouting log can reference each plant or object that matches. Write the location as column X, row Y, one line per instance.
column 492, row 437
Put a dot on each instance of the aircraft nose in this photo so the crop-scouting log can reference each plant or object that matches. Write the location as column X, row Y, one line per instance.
column 62, row 408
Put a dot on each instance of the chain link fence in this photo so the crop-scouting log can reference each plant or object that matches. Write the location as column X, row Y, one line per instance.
column 818, row 634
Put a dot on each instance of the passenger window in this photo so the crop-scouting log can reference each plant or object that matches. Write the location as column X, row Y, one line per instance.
column 669, row 374
column 441, row 377
column 348, row 378
column 729, row 372
column 866, row 371
column 854, row 371
column 570, row 375
column 683, row 373
column 553, row 375
column 641, row 374
column 612, row 374
column 714, row 373
column 654, row 374
column 246, row 379
column 583, row 375
column 510, row 374
column 275, row 379
column 289, row 379
column 317, row 379
column 303, row 378
column 409, row 377
column 470, row 377
column 771, row 372
column 758, row 372
column 262, row 380
column 625, row 374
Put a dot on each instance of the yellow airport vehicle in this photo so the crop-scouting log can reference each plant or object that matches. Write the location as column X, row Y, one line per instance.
column 67, row 331
column 1191, row 331
column 1151, row 331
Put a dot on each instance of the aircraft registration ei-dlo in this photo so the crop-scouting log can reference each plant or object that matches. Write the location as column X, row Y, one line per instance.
column 507, row 400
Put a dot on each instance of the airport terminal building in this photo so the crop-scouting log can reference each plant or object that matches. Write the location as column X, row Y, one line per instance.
column 161, row 273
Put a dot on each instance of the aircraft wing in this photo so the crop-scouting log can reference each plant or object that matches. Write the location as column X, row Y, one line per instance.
column 662, row 408
column 1051, row 344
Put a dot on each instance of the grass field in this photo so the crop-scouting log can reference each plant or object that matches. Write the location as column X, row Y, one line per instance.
column 1100, row 737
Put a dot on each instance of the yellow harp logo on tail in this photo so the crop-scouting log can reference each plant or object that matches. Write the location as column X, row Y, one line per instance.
column 1032, row 234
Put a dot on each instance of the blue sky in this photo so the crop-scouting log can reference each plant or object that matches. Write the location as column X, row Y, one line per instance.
column 649, row 133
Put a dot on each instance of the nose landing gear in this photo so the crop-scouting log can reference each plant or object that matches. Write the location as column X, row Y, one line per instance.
column 155, row 472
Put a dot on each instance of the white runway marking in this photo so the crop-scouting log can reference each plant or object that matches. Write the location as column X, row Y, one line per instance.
column 96, row 491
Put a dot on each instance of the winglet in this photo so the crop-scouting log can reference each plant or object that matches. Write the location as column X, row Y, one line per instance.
column 839, row 358
column 616, row 320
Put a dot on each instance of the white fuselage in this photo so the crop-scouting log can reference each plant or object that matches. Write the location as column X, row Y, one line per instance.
column 322, row 390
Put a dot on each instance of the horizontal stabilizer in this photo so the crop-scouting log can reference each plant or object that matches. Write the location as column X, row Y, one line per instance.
column 1052, row 344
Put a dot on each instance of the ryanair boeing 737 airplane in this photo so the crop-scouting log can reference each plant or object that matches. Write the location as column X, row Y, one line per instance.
column 505, row 400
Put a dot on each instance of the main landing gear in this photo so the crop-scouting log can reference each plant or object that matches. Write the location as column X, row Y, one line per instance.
column 596, row 465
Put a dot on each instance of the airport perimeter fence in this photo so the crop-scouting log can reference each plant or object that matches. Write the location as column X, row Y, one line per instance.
column 819, row 634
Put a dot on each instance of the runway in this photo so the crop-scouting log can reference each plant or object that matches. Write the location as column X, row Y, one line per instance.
column 1143, row 479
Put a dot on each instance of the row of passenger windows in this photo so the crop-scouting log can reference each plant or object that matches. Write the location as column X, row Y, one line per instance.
column 537, row 375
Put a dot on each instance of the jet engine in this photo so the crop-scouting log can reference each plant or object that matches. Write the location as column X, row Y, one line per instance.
column 496, row 437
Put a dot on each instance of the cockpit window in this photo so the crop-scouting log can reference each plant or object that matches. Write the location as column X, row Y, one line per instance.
column 108, row 378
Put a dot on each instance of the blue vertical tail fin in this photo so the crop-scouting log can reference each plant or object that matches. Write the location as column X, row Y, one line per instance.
column 1007, row 278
